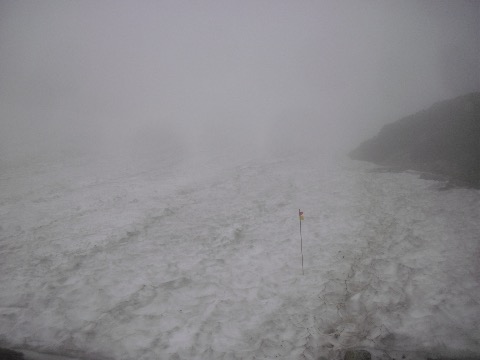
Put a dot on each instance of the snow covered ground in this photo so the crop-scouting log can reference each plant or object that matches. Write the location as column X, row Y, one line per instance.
column 201, row 260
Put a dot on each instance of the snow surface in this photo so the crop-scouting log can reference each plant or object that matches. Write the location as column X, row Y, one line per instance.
column 201, row 260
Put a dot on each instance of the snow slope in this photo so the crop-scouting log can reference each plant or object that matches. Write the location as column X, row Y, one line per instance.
column 201, row 260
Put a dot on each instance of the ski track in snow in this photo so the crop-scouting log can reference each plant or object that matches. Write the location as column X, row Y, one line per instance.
column 123, row 263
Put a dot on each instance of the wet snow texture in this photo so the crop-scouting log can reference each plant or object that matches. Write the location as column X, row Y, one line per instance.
column 136, row 263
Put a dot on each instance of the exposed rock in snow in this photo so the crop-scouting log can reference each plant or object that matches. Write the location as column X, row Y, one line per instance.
column 6, row 354
column 442, row 140
column 358, row 355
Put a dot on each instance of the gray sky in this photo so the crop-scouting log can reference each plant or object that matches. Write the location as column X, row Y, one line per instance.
column 189, row 75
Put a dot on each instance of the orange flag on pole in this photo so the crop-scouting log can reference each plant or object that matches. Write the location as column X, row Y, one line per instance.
column 300, row 215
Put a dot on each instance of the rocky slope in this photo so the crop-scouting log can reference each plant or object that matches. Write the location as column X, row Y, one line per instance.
column 443, row 140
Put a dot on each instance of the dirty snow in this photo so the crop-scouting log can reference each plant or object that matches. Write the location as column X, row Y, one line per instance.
column 201, row 260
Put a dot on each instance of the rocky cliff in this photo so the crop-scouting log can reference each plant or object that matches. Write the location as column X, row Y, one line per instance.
column 442, row 140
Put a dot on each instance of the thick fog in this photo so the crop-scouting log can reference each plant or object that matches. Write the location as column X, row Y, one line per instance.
column 182, row 77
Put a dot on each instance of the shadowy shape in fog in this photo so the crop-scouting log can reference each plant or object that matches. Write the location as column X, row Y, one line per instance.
column 441, row 140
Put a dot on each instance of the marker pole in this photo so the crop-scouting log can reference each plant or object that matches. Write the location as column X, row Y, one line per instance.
column 301, row 240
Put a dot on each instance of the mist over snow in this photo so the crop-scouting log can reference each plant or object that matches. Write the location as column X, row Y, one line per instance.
column 133, row 76
column 154, row 155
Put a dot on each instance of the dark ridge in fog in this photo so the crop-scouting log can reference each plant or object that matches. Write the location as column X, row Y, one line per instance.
column 442, row 140
column 152, row 77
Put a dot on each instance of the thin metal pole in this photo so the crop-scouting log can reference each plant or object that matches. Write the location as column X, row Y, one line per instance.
column 301, row 240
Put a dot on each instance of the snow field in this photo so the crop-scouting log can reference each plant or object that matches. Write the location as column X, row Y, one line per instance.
column 144, row 263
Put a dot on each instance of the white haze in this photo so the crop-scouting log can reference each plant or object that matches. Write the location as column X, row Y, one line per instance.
column 178, row 77
column 206, row 125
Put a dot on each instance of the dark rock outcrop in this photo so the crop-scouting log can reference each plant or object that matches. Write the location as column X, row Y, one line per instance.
column 357, row 355
column 6, row 354
column 443, row 140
